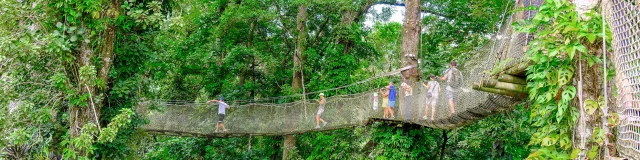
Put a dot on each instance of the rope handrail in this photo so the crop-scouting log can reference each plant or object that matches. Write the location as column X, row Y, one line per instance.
column 309, row 93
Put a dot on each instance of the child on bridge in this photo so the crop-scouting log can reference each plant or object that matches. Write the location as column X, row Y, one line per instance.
column 385, row 101
column 222, row 108
column 433, row 90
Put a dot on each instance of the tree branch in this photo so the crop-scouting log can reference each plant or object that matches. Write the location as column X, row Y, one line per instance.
column 422, row 9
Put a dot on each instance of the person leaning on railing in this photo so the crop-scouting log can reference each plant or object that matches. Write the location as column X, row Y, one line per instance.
column 392, row 100
column 385, row 101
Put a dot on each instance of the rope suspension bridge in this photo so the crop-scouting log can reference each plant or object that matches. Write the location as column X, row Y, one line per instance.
column 494, row 82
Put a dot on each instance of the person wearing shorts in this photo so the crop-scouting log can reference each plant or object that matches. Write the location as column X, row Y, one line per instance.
column 450, row 91
column 385, row 101
column 222, row 109
column 433, row 90
column 220, row 118
column 321, row 103
column 392, row 99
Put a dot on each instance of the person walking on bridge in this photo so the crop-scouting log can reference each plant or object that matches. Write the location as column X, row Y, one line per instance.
column 385, row 101
column 321, row 103
column 408, row 98
column 454, row 81
column 392, row 99
column 433, row 91
column 222, row 109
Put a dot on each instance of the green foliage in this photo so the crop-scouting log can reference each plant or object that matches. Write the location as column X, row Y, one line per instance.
column 456, row 36
column 197, row 50
column 559, row 36
column 121, row 120
column 498, row 137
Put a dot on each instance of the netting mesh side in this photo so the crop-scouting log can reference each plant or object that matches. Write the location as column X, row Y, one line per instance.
column 623, row 18
column 515, row 48
column 199, row 119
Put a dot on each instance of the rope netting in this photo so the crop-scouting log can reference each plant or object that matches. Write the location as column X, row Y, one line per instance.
column 623, row 17
column 264, row 117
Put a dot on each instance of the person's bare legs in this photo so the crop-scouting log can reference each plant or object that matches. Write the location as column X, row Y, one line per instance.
column 318, row 120
column 433, row 110
column 392, row 113
column 426, row 110
column 452, row 106
column 217, row 126
column 386, row 112
column 223, row 129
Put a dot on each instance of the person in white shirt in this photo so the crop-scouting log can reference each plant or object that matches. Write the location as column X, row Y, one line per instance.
column 222, row 108
column 321, row 103
column 408, row 97
column 433, row 90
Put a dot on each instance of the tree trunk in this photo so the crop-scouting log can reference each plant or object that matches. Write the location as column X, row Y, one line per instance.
column 300, row 42
column 109, row 42
column 410, row 40
column 444, row 144
column 590, row 80
column 253, row 60
column 80, row 116
column 288, row 146
column 276, row 148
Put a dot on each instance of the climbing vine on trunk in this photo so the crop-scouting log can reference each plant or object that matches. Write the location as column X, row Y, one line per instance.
column 561, row 41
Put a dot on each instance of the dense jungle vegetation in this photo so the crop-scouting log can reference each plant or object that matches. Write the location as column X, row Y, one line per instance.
column 72, row 72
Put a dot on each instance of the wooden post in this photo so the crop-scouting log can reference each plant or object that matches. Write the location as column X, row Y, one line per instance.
column 477, row 86
column 517, row 69
column 492, row 83
column 511, row 79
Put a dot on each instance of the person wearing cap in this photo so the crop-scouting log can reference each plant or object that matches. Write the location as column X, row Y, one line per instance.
column 222, row 109
column 451, row 89
column 408, row 97
column 392, row 99
column 321, row 103
column 433, row 90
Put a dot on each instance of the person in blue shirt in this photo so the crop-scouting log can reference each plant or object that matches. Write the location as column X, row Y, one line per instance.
column 392, row 100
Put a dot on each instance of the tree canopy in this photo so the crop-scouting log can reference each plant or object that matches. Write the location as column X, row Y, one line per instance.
column 72, row 72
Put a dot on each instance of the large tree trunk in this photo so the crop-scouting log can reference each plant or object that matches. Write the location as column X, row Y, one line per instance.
column 301, row 40
column 288, row 144
column 410, row 40
column 590, row 80
column 79, row 116
column 109, row 42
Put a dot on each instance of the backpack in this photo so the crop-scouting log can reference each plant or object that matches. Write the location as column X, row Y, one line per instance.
column 454, row 79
